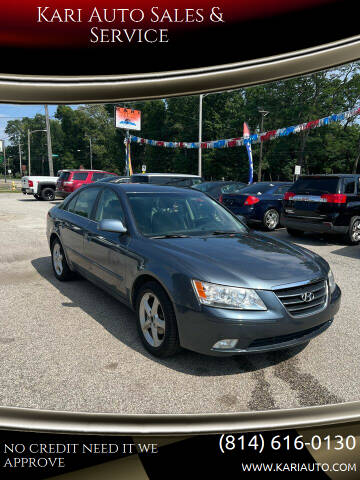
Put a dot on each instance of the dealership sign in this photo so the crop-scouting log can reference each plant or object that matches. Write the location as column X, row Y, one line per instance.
column 127, row 118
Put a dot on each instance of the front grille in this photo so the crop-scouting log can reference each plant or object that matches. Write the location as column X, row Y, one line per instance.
column 304, row 300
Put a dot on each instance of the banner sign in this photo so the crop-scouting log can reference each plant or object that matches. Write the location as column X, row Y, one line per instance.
column 127, row 118
column 248, row 148
column 255, row 138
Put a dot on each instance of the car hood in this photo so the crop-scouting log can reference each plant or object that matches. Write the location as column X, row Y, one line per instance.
column 246, row 260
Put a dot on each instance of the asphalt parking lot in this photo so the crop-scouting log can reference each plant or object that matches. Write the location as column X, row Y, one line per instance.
column 70, row 346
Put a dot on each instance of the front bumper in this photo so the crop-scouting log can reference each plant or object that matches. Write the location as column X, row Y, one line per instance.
column 257, row 332
column 319, row 226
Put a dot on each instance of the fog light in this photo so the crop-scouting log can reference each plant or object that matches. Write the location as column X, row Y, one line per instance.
column 225, row 344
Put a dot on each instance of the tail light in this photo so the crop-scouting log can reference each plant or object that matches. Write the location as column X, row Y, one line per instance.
column 289, row 195
column 334, row 197
column 251, row 200
column 30, row 183
column 221, row 199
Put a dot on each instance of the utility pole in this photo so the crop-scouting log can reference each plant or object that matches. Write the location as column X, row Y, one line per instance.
column 200, row 134
column 91, row 158
column 48, row 134
column 29, row 154
column 263, row 114
column 4, row 160
column 20, row 158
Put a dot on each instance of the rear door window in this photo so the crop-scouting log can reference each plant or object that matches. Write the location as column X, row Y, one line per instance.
column 316, row 186
column 80, row 176
column 85, row 202
column 349, row 185
column 64, row 176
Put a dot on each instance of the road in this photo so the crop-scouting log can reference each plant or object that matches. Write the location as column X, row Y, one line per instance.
column 70, row 346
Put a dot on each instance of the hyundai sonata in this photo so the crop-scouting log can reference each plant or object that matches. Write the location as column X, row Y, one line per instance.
column 195, row 275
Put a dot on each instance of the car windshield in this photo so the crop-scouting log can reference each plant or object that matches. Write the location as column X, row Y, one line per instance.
column 257, row 188
column 167, row 214
column 315, row 186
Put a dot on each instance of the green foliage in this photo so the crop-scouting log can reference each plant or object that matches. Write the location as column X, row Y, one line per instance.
column 334, row 148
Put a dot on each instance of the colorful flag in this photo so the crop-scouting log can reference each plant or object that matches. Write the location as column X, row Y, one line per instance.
column 247, row 143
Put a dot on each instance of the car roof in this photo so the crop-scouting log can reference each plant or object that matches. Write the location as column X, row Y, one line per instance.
column 85, row 170
column 164, row 175
column 326, row 175
column 150, row 188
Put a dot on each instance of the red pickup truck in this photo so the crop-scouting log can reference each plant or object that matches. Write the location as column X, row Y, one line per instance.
column 71, row 180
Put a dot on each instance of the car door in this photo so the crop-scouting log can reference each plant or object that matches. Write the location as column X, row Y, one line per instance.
column 106, row 251
column 74, row 223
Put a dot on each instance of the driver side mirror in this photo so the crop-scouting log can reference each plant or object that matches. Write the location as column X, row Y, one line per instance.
column 112, row 225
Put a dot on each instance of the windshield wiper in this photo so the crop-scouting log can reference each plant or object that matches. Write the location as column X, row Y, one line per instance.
column 223, row 232
column 171, row 235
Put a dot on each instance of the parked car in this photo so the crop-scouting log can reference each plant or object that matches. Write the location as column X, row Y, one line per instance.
column 41, row 187
column 324, row 204
column 176, row 179
column 195, row 275
column 259, row 203
column 216, row 188
column 71, row 180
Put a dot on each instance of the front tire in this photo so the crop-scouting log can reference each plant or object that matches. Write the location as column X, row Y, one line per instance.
column 271, row 219
column 156, row 321
column 353, row 235
column 59, row 263
column 48, row 194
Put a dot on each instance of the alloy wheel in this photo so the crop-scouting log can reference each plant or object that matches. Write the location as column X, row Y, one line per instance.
column 271, row 219
column 355, row 233
column 152, row 319
column 58, row 259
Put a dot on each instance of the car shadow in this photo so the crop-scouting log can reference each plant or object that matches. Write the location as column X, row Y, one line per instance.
column 119, row 321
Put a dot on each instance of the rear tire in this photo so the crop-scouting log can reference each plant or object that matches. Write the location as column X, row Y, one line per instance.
column 271, row 219
column 48, row 194
column 59, row 263
column 295, row 233
column 156, row 321
column 353, row 235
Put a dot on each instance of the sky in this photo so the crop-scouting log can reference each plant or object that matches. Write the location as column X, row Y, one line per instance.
column 12, row 112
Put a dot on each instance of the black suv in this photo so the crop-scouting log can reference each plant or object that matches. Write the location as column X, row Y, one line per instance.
column 324, row 204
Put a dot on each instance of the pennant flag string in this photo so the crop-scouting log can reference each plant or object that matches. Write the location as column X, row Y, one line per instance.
column 252, row 139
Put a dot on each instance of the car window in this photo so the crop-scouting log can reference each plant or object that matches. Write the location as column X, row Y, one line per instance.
column 232, row 187
column 98, row 175
column 203, row 187
column 281, row 190
column 257, row 188
column 80, row 176
column 109, row 207
column 316, row 185
column 85, row 202
column 64, row 176
column 70, row 206
column 187, row 214
column 349, row 185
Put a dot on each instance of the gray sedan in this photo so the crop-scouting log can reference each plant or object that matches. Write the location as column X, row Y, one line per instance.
column 195, row 275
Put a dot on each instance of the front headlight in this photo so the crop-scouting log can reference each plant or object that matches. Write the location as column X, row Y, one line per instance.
column 331, row 280
column 227, row 297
